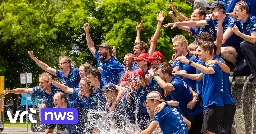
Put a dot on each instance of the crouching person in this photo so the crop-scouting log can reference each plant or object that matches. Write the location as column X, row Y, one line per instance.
column 169, row 119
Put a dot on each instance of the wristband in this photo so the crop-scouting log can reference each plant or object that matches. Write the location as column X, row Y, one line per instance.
column 155, row 74
column 190, row 62
column 166, row 103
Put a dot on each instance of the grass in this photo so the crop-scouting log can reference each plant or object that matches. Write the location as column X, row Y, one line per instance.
column 7, row 124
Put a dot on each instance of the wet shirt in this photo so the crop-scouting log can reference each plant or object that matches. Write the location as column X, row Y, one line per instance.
column 111, row 69
column 182, row 94
column 123, row 109
column 249, row 26
column 170, row 121
column 188, row 68
column 72, row 80
column 141, row 97
column 48, row 98
column 212, row 87
column 93, row 102
column 71, row 127
column 154, row 86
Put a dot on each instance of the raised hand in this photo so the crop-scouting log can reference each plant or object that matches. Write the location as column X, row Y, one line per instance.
column 171, row 6
column 159, row 107
column 31, row 54
column 160, row 16
column 86, row 27
column 139, row 26
column 100, row 69
column 168, row 25
column 170, row 13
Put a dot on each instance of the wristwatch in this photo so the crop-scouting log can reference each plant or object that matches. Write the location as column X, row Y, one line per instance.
column 190, row 62
column 155, row 74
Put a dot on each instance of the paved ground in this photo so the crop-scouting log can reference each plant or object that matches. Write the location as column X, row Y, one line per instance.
column 18, row 131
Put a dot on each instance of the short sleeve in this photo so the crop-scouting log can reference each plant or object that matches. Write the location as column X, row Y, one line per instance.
column 36, row 90
column 215, row 67
column 193, row 31
column 231, row 22
column 253, row 24
column 158, row 117
column 209, row 22
column 97, row 56
column 58, row 73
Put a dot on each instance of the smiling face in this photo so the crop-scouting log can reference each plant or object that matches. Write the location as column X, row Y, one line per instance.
column 136, row 50
column 195, row 16
column 82, row 72
column 84, row 85
column 64, row 64
column 59, row 99
column 44, row 81
column 104, row 53
column 178, row 48
column 128, row 61
column 201, row 53
column 92, row 80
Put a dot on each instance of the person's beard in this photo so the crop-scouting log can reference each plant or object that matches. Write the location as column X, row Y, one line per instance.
column 103, row 56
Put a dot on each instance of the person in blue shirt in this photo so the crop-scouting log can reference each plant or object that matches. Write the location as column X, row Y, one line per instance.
column 247, row 31
column 93, row 77
column 179, row 91
column 212, row 87
column 109, row 66
column 83, row 70
column 120, row 107
column 69, row 75
column 230, row 5
column 45, row 91
column 169, row 119
column 59, row 100
column 180, row 45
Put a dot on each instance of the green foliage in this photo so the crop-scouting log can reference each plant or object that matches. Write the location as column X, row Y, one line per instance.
column 51, row 27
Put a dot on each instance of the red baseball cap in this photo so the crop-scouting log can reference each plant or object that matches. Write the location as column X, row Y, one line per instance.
column 143, row 56
column 156, row 56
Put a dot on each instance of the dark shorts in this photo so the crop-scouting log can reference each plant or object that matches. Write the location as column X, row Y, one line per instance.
column 226, row 123
column 213, row 116
column 196, row 123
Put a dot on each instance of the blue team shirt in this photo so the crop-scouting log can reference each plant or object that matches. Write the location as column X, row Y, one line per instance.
column 183, row 96
column 199, row 83
column 111, row 69
column 170, row 121
column 227, row 96
column 212, row 87
column 72, row 80
column 141, row 97
column 230, row 5
column 37, row 91
column 71, row 127
column 154, row 86
column 188, row 68
column 249, row 26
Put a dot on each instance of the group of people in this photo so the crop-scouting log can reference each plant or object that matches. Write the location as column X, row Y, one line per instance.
column 190, row 94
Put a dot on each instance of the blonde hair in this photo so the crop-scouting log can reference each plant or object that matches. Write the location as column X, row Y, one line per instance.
column 65, row 57
column 45, row 76
column 180, row 38
column 192, row 47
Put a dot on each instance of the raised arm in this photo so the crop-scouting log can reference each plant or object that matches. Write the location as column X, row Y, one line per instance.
column 201, row 68
column 219, row 32
column 42, row 64
column 62, row 87
column 150, row 128
column 153, row 41
column 222, row 66
column 89, row 40
column 182, row 73
column 173, row 16
column 19, row 90
column 138, row 29
column 166, row 86
column 180, row 15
